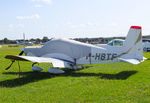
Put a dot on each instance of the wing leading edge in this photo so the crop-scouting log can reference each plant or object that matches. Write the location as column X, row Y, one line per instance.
column 54, row 61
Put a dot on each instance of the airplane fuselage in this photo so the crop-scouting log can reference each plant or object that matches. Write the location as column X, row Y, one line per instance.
column 74, row 51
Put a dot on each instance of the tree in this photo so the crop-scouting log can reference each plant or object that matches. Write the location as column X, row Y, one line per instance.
column 38, row 41
column 6, row 41
column 45, row 39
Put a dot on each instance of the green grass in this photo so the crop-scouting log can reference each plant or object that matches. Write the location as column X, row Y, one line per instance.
column 98, row 83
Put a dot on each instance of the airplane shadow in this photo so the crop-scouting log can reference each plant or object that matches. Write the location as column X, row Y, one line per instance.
column 28, row 77
column 123, row 75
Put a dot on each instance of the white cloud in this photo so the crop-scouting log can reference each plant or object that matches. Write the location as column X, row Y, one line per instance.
column 114, row 24
column 10, row 25
column 38, row 5
column 34, row 16
column 20, row 25
column 81, row 25
column 48, row 2
column 13, row 26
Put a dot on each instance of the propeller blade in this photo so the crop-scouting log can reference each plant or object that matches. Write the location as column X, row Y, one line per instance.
column 10, row 65
column 21, row 53
column 19, row 69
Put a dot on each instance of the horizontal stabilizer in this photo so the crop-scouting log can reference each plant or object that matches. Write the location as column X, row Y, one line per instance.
column 132, row 61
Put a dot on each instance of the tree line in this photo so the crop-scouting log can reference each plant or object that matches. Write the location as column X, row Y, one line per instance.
column 36, row 41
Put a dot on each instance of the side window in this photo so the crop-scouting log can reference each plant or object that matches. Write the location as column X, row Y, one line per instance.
column 121, row 44
column 116, row 43
column 110, row 43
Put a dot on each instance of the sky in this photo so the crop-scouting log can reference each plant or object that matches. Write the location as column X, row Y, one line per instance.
column 72, row 18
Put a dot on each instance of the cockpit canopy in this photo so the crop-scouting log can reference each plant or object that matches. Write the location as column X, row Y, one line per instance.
column 116, row 42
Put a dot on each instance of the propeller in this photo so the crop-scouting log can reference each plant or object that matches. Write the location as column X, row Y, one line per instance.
column 10, row 65
column 19, row 69
column 21, row 53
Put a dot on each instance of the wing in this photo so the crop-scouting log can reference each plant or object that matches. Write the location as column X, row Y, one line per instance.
column 132, row 61
column 56, row 62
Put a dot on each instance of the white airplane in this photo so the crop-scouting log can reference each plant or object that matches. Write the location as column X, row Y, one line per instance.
column 65, row 53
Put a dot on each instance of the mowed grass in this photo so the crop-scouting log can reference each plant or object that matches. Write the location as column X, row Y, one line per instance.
column 97, row 83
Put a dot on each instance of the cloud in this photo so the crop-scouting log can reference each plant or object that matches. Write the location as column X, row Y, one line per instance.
column 10, row 25
column 16, row 25
column 47, row 2
column 114, row 24
column 81, row 25
column 34, row 16
column 20, row 25
column 38, row 5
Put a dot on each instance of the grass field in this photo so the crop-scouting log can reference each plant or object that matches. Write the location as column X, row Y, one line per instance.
column 98, row 83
